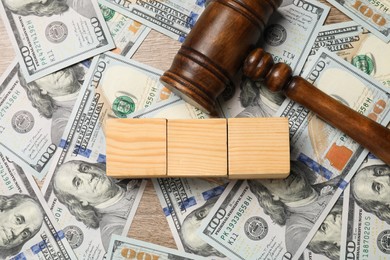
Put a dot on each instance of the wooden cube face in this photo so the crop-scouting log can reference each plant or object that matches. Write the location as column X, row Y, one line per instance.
column 258, row 148
column 197, row 148
column 136, row 148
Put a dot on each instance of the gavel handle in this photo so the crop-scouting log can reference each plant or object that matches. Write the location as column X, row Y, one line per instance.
column 365, row 131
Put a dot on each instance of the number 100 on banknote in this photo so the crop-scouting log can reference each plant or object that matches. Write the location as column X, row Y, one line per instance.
column 174, row 18
column 50, row 36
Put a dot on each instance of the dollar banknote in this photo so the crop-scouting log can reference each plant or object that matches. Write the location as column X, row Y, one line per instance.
column 373, row 15
column 366, row 234
column 172, row 108
column 174, row 18
column 48, row 37
column 34, row 115
column 89, row 205
column 127, row 248
column 127, row 85
column 28, row 229
column 127, row 33
column 113, row 84
column 288, row 37
column 280, row 217
column 268, row 219
column 326, row 242
column 185, row 203
column 358, row 46
column 326, row 149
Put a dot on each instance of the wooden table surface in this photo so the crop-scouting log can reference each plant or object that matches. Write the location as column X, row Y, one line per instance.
column 157, row 50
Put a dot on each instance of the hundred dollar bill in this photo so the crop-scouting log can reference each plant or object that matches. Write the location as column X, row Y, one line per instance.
column 269, row 219
column 99, row 206
column 186, row 202
column 366, row 235
column 123, row 248
column 288, row 37
column 174, row 18
column 48, row 37
column 127, row 33
column 28, row 229
column 325, row 149
column 358, row 46
column 373, row 15
column 280, row 217
column 325, row 244
column 33, row 115
column 173, row 108
column 127, row 85
column 116, row 87
column 89, row 205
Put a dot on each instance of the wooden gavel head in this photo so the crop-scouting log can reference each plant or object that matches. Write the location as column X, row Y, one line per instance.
column 215, row 49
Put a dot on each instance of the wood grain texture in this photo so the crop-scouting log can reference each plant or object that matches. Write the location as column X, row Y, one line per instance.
column 149, row 222
column 197, row 148
column 258, row 148
column 335, row 15
column 136, row 148
column 157, row 50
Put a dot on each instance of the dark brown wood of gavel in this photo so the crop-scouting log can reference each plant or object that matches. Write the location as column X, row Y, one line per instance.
column 223, row 40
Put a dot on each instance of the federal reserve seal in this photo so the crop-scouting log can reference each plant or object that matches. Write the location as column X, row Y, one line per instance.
column 123, row 106
column 383, row 241
column 275, row 35
column 56, row 32
column 256, row 228
column 74, row 235
column 22, row 122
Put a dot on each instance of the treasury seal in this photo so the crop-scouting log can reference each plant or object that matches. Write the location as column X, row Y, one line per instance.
column 108, row 13
column 256, row 228
column 74, row 235
column 22, row 122
column 56, row 32
column 383, row 241
column 123, row 106
column 364, row 63
column 275, row 35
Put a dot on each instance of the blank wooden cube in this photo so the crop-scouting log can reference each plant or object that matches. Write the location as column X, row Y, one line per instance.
column 258, row 148
column 136, row 148
column 197, row 148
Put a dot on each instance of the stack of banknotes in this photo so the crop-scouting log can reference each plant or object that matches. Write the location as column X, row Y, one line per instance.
column 74, row 69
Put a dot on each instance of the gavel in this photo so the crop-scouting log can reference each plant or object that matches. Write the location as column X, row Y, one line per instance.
column 223, row 41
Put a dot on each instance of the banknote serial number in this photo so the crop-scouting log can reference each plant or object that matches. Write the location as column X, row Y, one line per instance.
column 228, row 234
column 236, row 218
column 366, row 104
column 361, row 249
column 221, row 217
column 366, row 237
column 379, row 5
